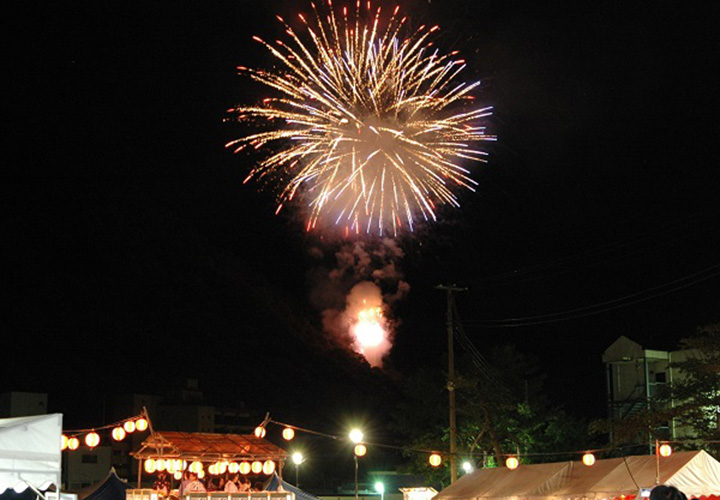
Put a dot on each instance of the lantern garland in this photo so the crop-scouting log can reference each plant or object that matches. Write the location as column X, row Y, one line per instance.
column 70, row 440
column 435, row 459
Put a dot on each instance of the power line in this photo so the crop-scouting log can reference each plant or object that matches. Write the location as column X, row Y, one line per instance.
column 666, row 236
column 602, row 307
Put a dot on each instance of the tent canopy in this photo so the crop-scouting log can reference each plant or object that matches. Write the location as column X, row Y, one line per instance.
column 694, row 472
column 110, row 488
column 209, row 447
column 30, row 452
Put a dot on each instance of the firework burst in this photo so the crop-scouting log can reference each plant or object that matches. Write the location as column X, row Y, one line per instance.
column 370, row 128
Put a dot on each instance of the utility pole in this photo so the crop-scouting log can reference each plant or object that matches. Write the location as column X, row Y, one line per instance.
column 451, row 376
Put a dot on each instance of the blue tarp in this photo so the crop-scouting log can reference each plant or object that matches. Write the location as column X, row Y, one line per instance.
column 275, row 481
column 111, row 488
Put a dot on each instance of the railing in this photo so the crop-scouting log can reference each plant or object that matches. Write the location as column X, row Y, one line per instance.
column 150, row 494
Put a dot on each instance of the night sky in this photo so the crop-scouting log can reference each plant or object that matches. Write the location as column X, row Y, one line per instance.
column 134, row 257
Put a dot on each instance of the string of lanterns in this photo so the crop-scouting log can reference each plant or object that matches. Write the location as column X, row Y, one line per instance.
column 70, row 440
column 176, row 467
column 435, row 459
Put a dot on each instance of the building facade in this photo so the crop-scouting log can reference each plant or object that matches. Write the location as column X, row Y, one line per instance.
column 635, row 375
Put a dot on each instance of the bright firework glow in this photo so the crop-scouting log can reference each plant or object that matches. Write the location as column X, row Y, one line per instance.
column 370, row 128
column 369, row 329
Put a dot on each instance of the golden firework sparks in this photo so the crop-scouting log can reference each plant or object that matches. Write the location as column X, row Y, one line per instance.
column 370, row 128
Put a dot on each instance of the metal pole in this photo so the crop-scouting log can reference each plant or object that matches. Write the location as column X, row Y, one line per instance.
column 647, row 398
column 657, row 462
column 297, row 481
column 356, row 477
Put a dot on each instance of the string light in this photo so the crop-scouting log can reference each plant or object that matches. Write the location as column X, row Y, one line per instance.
column 435, row 460
column 149, row 465
column 588, row 459
column 141, row 424
column 92, row 439
column 512, row 463
column 118, row 433
column 288, row 433
column 268, row 467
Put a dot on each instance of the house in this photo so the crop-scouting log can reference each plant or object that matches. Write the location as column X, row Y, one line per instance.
column 635, row 375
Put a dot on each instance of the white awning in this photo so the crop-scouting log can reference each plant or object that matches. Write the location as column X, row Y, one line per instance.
column 30, row 452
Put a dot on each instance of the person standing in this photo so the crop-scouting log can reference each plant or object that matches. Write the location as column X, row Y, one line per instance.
column 665, row 492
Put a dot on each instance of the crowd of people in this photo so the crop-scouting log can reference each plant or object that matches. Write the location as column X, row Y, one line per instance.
column 192, row 484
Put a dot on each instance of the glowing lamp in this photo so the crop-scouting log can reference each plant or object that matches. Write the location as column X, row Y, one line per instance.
column 149, row 465
column 63, row 442
column 141, row 424
column 233, row 467
column 129, row 426
column 196, row 467
column 356, row 436
column 73, row 443
column 512, row 463
column 92, row 439
column 588, row 459
column 170, row 466
column 118, row 433
column 467, row 467
column 245, row 468
column 213, row 469
column 256, row 467
column 297, row 458
column 201, row 474
column 178, row 475
column 260, row 431
column 435, row 460
column 288, row 433
column 360, row 450
column 268, row 467
column 665, row 450
column 160, row 464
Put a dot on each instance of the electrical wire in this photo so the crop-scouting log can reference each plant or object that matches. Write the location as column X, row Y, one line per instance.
column 602, row 307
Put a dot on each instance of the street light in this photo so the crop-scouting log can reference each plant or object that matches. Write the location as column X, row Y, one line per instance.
column 356, row 436
column 467, row 467
column 297, row 459
column 380, row 488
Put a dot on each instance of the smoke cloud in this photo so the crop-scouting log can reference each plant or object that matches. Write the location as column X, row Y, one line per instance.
column 357, row 295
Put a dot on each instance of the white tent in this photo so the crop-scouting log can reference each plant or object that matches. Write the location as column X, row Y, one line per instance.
column 30, row 452
column 693, row 472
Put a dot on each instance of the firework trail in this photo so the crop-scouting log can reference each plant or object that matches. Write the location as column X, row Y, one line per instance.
column 369, row 127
